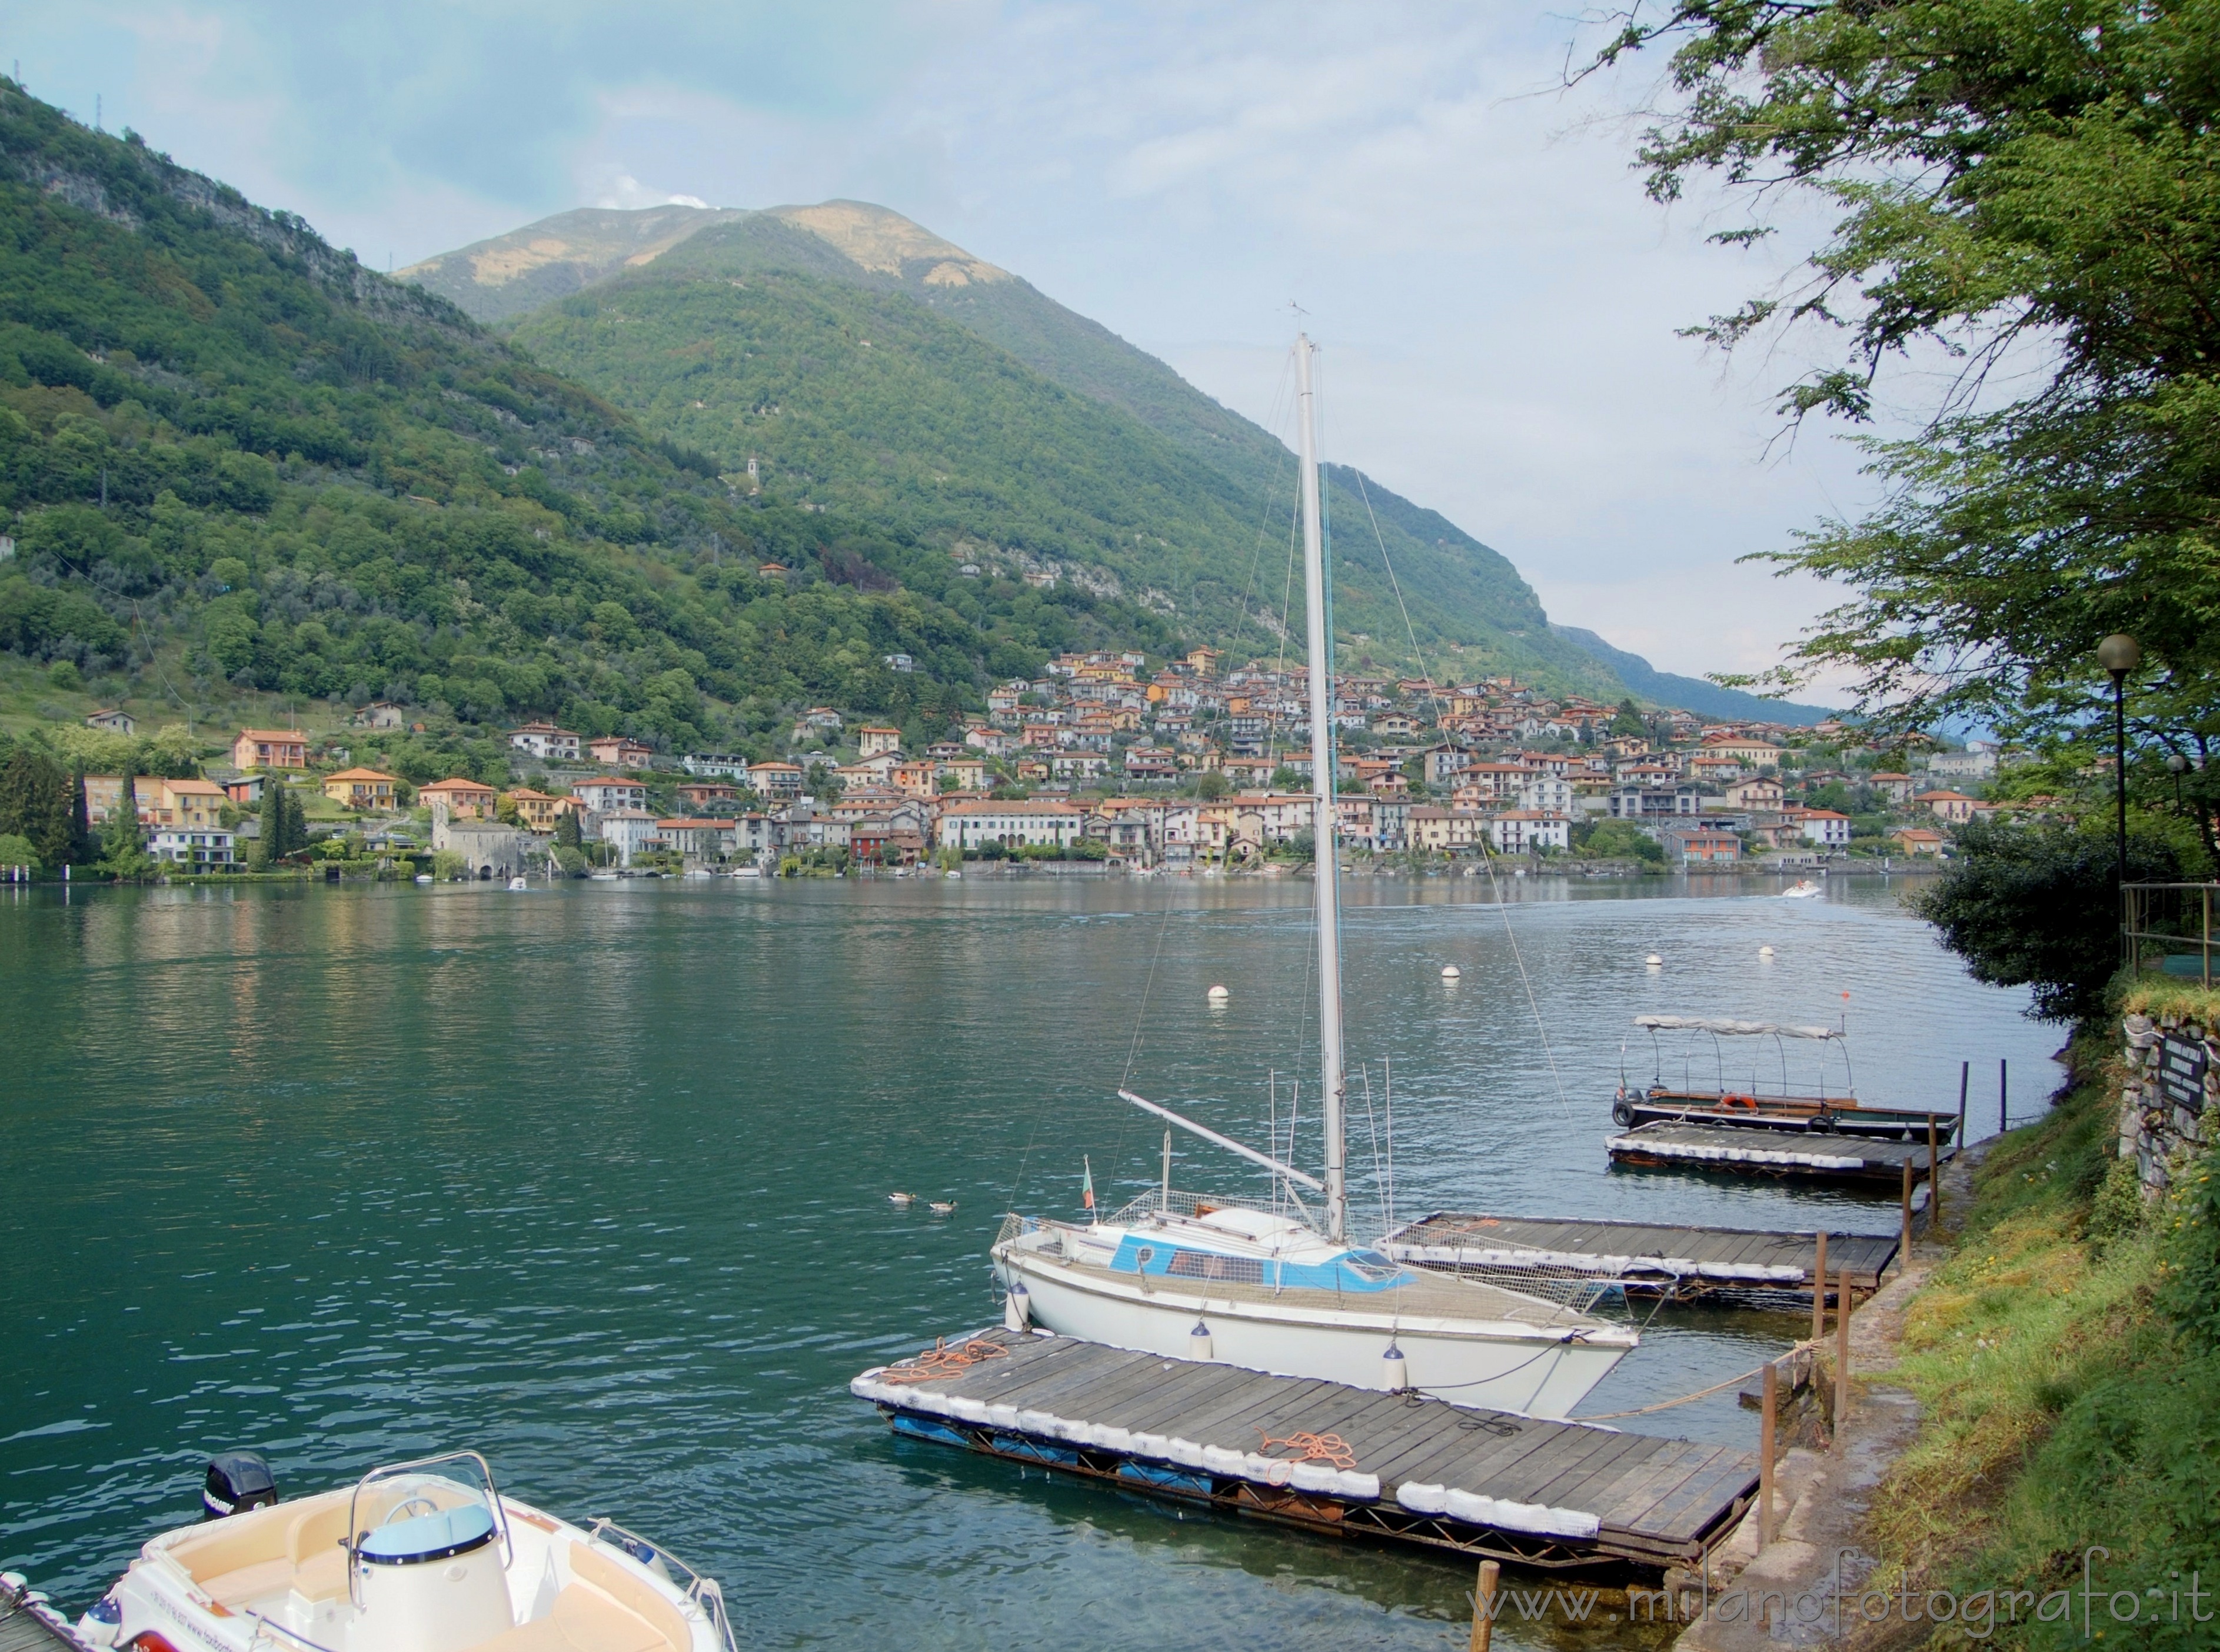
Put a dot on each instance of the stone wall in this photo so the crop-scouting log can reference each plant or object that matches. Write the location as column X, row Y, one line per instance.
column 2168, row 1104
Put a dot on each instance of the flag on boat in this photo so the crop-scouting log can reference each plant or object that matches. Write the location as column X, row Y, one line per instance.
column 1087, row 1185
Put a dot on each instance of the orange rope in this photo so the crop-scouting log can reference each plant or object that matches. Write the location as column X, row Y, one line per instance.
column 1315, row 1448
column 940, row 1363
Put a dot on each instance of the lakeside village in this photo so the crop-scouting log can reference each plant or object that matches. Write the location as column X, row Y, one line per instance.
column 1181, row 767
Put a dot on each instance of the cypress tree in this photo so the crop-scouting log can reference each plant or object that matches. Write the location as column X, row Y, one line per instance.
column 80, row 818
column 271, row 845
column 296, row 822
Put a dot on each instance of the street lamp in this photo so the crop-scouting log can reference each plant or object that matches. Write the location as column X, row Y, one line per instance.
column 2120, row 654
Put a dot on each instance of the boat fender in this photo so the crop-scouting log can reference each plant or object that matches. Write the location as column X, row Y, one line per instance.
column 1395, row 1374
column 1199, row 1341
column 101, row 1621
column 1622, row 1113
column 237, row 1481
column 1017, row 1308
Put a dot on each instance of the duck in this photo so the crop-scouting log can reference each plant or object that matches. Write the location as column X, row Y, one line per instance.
column 941, row 1209
column 901, row 1199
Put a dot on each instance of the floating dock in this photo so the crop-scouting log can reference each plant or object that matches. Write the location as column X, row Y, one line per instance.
column 1679, row 1264
column 1755, row 1152
column 1324, row 1456
column 27, row 1624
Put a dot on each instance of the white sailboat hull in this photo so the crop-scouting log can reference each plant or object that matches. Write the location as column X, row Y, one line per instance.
column 1506, row 1367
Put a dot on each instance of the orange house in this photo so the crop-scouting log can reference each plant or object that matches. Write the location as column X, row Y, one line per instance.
column 270, row 748
column 458, row 798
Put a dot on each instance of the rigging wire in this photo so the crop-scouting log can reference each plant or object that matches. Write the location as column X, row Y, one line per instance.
column 1487, row 856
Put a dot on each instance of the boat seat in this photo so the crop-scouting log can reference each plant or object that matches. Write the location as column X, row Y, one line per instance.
column 585, row 1619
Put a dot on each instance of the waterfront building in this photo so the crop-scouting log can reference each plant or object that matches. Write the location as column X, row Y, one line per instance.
column 1037, row 822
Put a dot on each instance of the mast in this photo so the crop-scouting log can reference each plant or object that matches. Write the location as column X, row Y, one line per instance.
column 1327, row 864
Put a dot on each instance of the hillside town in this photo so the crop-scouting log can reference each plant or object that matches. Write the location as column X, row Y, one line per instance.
column 1181, row 766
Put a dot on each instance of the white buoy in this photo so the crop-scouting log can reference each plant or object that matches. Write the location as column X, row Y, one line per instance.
column 1450, row 972
column 1199, row 1346
column 1017, row 1308
column 1394, row 1374
column 1218, row 994
column 1655, row 962
column 1765, row 952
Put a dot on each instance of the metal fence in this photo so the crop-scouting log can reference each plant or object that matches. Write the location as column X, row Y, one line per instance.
column 2167, row 928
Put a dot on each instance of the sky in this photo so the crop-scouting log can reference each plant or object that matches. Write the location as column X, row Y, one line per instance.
column 1498, row 301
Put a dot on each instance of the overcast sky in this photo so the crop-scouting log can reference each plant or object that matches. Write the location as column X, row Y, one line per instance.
column 1498, row 299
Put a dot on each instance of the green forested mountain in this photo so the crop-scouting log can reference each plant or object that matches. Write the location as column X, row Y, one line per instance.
column 234, row 460
column 865, row 364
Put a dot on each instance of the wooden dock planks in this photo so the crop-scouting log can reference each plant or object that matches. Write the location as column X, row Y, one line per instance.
column 1653, row 1258
column 1726, row 1149
column 1543, row 1493
column 32, row 1626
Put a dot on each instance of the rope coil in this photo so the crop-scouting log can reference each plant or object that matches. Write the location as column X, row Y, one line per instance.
column 1315, row 1448
column 940, row 1363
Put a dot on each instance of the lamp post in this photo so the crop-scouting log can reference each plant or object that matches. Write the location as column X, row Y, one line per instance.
column 2120, row 654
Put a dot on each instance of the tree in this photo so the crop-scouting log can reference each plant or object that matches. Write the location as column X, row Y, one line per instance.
column 1212, row 786
column 123, row 843
column 80, row 818
column 2034, row 907
column 1629, row 720
column 568, row 834
column 16, row 850
column 2029, row 185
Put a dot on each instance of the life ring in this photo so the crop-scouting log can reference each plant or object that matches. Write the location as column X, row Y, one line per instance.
column 1622, row 1113
column 1749, row 1102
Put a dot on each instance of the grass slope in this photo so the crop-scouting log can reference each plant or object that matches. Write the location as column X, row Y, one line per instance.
column 2070, row 1389
column 239, row 464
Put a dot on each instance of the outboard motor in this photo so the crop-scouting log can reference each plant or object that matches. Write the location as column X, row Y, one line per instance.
column 237, row 1481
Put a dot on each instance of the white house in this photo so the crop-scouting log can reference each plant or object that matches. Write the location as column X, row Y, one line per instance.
column 610, row 792
column 1045, row 821
column 1546, row 794
column 1826, row 828
column 1520, row 831
column 625, row 829
column 545, row 741
column 191, row 846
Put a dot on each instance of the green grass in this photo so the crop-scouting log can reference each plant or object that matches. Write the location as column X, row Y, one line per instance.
column 2065, row 1406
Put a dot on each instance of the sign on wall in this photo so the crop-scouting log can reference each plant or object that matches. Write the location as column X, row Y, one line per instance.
column 2181, row 1071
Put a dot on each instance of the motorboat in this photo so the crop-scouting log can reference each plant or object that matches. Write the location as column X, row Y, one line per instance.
column 1275, row 1285
column 1802, row 889
column 420, row 1556
column 516, row 884
column 747, row 871
column 1762, row 1104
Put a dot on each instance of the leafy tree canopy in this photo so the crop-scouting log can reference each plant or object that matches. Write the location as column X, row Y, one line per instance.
column 2035, row 187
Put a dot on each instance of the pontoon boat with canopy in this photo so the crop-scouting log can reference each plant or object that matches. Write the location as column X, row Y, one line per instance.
column 1761, row 1104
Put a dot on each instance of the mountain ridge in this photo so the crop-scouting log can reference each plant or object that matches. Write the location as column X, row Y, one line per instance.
column 741, row 324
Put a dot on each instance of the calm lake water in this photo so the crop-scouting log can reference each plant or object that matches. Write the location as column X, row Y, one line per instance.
column 595, row 1179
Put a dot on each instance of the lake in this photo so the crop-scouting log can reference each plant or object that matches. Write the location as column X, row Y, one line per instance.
column 595, row 1178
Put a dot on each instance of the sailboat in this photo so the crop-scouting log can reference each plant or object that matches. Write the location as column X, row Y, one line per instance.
column 1257, row 1284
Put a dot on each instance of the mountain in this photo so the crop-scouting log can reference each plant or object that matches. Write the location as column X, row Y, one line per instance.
column 238, row 465
column 1691, row 693
column 860, row 362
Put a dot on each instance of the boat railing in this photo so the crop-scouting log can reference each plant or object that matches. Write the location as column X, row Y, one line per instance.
column 1172, row 1202
column 702, row 1592
column 281, row 1632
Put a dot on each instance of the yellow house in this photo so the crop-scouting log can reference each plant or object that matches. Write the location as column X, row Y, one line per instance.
column 539, row 810
column 360, row 788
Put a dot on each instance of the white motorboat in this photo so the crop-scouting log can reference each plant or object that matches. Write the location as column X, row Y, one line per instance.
column 748, row 871
column 1802, row 889
column 1255, row 1283
column 518, row 883
column 422, row 1556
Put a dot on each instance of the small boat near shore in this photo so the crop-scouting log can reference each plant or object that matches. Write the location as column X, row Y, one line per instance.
column 419, row 1556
